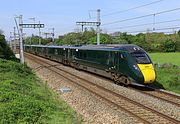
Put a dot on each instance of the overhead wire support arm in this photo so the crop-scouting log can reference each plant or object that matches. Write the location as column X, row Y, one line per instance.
column 32, row 25
column 88, row 23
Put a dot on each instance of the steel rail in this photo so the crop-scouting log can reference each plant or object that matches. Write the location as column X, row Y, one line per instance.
column 115, row 94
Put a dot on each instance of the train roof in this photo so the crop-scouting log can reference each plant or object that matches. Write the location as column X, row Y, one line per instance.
column 109, row 47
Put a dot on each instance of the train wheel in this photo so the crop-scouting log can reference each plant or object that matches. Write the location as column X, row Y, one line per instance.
column 76, row 66
column 114, row 77
column 124, row 80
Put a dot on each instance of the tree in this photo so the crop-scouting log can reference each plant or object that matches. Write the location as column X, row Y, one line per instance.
column 35, row 40
column 178, row 33
column 168, row 46
column 73, row 38
column 5, row 51
column 1, row 32
column 87, row 35
column 104, row 39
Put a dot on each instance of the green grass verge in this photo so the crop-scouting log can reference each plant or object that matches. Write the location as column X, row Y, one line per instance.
column 24, row 99
column 161, row 58
column 169, row 79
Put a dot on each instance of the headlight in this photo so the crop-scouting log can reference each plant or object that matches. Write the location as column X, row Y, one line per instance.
column 136, row 67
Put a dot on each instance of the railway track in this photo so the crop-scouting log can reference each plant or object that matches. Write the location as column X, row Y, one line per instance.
column 141, row 112
column 162, row 95
column 153, row 92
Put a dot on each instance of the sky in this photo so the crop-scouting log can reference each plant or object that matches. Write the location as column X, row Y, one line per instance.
column 63, row 14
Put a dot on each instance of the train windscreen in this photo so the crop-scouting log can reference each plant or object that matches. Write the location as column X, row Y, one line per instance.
column 141, row 58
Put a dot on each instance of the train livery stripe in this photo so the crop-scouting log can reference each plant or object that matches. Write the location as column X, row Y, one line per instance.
column 148, row 72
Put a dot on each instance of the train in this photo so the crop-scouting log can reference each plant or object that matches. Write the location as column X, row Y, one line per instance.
column 124, row 63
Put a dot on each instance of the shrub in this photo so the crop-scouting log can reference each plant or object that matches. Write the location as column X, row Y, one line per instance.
column 5, row 51
column 24, row 100
column 168, row 46
column 174, row 82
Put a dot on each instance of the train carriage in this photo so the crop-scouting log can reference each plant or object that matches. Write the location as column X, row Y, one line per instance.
column 127, row 64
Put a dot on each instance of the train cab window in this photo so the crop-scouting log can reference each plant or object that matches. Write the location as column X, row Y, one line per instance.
column 141, row 57
column 122, row 56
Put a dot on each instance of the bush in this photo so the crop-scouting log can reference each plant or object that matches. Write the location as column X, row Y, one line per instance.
column 174, row 82
column 24, row 100
column 168, row 46
column 5, row 51
column 178, row 45
column 169, row 77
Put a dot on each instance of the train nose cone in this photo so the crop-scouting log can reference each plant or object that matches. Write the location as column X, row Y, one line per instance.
column 148, row 72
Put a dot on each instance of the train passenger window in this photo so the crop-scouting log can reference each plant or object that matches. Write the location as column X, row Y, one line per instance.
column 60, row 52
column 80, row 54
column 56, row 52
column 85, row 55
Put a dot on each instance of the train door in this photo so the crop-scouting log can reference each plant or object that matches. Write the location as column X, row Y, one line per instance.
column 116, row 61
column 123, row 65
column 112, row 62
column 65, row 55
column 69, row 55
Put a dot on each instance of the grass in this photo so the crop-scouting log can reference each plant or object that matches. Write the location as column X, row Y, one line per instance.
column 169, row 79
column 161, row 58
column 25, row 99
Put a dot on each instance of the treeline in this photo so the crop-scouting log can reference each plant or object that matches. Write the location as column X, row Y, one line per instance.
column 151, row 42
column 35, row 40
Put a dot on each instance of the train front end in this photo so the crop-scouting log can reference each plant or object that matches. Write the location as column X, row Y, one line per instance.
column 148, row 73
column 143, row 71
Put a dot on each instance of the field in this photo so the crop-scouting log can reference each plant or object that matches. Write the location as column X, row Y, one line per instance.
column 25, row 99
column 167, row 77
column 161, row 58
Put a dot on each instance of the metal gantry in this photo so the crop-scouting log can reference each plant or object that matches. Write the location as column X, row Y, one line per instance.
column 32, row 25
column 20, row 32
column 53, row 39
column 97, row 23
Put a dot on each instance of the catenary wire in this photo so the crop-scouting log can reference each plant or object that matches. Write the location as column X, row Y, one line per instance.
column 139, row 25
column 157, row 29
column 134, row 18
column 133, row 8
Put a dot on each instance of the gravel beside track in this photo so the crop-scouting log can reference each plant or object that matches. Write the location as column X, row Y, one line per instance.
column 93, row 109
column 173, row 99
column 113, row 116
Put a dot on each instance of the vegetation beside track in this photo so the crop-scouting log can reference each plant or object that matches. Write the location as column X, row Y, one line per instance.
column 168, row 73
column 25, row 99
column 5, row 51
column 168, row 78
column 162, row 58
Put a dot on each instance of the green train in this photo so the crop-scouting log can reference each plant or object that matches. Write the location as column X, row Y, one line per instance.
column 125, row 64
